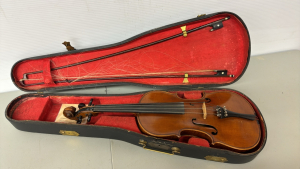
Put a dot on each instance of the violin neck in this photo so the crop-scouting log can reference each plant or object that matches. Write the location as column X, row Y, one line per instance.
column 159, row 108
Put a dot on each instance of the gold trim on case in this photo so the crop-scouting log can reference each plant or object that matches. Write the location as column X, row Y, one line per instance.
column 215, row 158
column 69, row 133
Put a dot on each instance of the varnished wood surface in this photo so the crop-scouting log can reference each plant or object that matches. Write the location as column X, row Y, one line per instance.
column 234, row 133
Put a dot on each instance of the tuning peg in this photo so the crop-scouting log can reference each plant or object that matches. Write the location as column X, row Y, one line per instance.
column 81, row 105
column 91, row 102
column 79, row 120
column 89, row 117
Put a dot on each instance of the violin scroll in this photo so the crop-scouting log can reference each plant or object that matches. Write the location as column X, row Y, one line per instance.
column 69, row 112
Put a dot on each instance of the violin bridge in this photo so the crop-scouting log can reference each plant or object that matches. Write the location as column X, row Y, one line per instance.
column 204, row 110
column 184, row 33
column 185, row 80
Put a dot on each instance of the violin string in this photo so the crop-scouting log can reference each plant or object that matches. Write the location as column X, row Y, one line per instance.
column 143, row 110
column 197, row 113
column 150, row 112
column 138, row 104
column 147, row 104
column 168, row 108
column 147, row 108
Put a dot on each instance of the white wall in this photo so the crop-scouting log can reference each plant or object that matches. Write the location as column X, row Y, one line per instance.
column 33, row 28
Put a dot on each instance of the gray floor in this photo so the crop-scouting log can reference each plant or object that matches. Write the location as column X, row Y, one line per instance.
column 272, row 81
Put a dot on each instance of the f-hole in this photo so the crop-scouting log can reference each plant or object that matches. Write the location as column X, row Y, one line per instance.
column 205, row 125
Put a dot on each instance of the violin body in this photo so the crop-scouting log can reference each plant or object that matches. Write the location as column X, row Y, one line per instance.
column 165, row 115
column 234, row 133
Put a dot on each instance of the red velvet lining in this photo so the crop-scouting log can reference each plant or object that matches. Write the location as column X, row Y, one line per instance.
column 47, row 73
column 198, row 142
column 194, row 141
column 31, row 108
column 190, row 94
column 128, row 123
column 226, row 48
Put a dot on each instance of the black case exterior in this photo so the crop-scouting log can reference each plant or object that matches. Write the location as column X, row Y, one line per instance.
column 186, row 150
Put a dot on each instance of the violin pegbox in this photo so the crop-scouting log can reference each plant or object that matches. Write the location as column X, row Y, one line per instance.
column 84, row 111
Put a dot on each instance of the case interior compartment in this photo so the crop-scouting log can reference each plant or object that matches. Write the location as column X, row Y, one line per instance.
column 46, row 108
column 224, row 49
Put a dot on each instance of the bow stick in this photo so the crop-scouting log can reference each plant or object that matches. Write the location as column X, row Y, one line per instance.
column 219, row 73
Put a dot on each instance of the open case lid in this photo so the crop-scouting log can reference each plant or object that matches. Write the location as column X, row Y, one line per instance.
column 221, row 42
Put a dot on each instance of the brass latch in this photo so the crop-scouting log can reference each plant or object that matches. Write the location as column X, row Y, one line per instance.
column 69, row 133
column 215, row 158
column 185, row 80
column 183, row 28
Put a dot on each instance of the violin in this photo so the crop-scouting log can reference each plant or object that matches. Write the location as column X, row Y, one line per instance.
column 225, row 119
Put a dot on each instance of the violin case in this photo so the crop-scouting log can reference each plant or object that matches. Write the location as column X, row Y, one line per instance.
column 216, row 47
